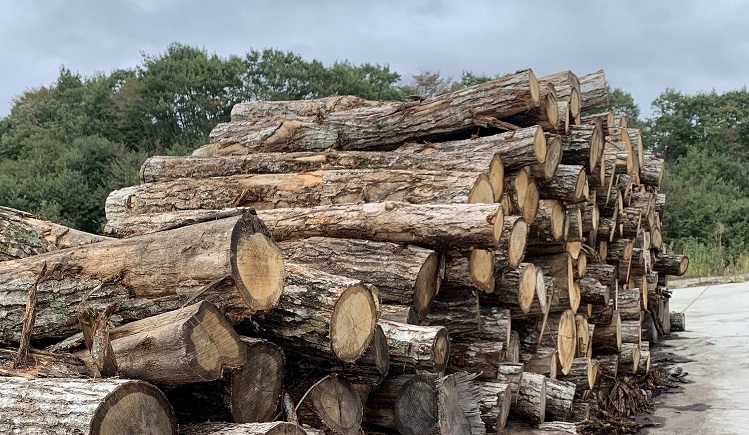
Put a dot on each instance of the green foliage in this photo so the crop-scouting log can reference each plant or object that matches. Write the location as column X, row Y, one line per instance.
column 427, row 84
column 622, row 103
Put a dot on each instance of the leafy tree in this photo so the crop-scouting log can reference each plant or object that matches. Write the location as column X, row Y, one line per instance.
column 427, row 84
column 622, row 103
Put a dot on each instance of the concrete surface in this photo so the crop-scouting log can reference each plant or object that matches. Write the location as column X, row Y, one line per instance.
column 715, row 351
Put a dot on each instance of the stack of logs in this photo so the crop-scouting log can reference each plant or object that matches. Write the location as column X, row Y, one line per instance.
column 342, row 265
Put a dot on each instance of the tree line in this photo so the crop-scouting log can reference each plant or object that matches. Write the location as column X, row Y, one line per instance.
column 64, row 147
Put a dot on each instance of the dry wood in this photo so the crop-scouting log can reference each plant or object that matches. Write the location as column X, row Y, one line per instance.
column 608, row 366
column 85, row 406
column 574, row 225
column 563, row 108
column 584, row 333
column 660, row 203
column 607, row 338
column 331, row 403
column 581, row 410
column 583, row 373
column 552, row 427
column 494, row 403
column 405, row 275
column 671, row 264
column 637, row 146
column 523, row 192
column 630, row 218
column 531, row 400
column 631, row 331
column 481, row 357
column 495, row 324
column 651, row 172
column 24, row 234
column 678, row 321
column 511, row 250
column 260, row 109
column 458, row 311
column 398, row 313
column 247, row 394
column 629, row 303
column 569, row 184
column 546, row 114
column 607, row 229
column 559, row 267
column 232, row 261
column 548, row 168
column 592, row 291
column 216, row 428
column 320, row 314
column 512, row 374
column 593, row 90
column 584, row 145
column 540, row 359
column 602, row 315
column 372, row 367
column 559, row 398
column 649, row 331
column 415, row 347
column 607, row 121
column 406, row 403
column 620, row 249
column 515, row 287
column 590, row 217
column 469, row 271
column 629, row 358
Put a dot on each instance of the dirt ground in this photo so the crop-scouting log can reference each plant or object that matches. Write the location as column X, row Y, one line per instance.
column 715, row 352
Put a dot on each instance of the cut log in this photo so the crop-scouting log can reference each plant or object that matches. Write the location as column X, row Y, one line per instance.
column 372, row 367
column 546, row 114
column 631, row 331
column 601, row 315
column 564, row 330
column 232, row 261
column 321, row 315
column 481, row 357
column 494, row 403
column 620, row 121
column 531, row 401
column 593, row 91
column 584, row 333
column 583, row 373
column 382, row 127
column 607, row 339
column 569, row 184
column 607, row 229
column 649, row 330
column 568, row 89
column 548, row 168
column 266, row 191
column 678, row 321
column 559, row 398
column 215, row 428
column 260, row 109
column 398, row 313
column 644, row 367
column 552, row 427
column 629, row 358
column 24, row 234
column 466, row 272
column 607, row 121
column 630, row 218
column 415, row 347
column 559, row 267
column 168, row 349
column 332, row 403
column 583, row 145
column 85, row 406
column 512, row 374
column 637, row 146
column 563, row 108
column 248, row 394
column 660, row 204
column 458, row 312
column 590, row 217
column 580, row 411
column 608, row 366
column 408, row 404
column 512, row 244
column 405, row 275
column 591, row 289
column 46, row 365
column 540, row 359
column 620, row 250
column 495, row 324
column 523, row 192
column 574, row 225
column 515, row 287
column 671, row 264
column 629, row 303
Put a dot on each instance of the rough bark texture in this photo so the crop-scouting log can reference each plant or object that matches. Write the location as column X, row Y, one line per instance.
column 629, row 358
column 481, row 357
column 583, row 145
column 582, row 374
column 607, row 338
column 593, row 90
column 631, row 331
column 512, row 374
column 232, row 261
column 405, row 275
column 671, row 264
column 620, row 249
column 469, row 271
column 548, row 168
column 45, row 365
column 548, row 226
column 316, row 107
column 215, row 428
column 85, row 406
column 382, row 127
column 458, row 311
column 569, row 185
column 496, row 323
column 415, row 347
column 593, row 292
column 494, row 403
column 678, row 321
column 511, row 250
column 552, row 427
column 321, row 315
column 559, row 397
column 531, row 401
column 546, row 114
column 515, row 287
column 629, row 303
column 408, row 404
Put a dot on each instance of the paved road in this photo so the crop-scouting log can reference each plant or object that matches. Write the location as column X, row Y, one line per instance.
column 717, row 345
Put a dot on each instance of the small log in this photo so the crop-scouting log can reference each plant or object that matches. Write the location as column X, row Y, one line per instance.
column 583, row 373
column 248, row 394
column 608, row 368
column 629, row 303
column 512, row 247
column 372, row 367
column 85, row 406
column 513, row 349
column 630, row 218
column 531, row 400
column 548, row 168
column 559, row 267
column 548, row 226
column 512, row 374
column 607, row 339
column 552, row 427
column 594, row 91
column 671, row 264
column 515, row 287
column 583, row 145
column 495, row 324
column 494, row 403
column 574, row 225
column 620, row 249
column 405, row 275
column 631, row 331
column 602, row 315
column 629, row 358
column 638, row 147
column 469, row 271
column 559, row 398
column 678, row 321
column 406, row 403
column 398, row 313
column 607, row 229
column 523, row 192
column 607, row 121
column 569, row 184
column 592, row 291
column 546, row 114
column 540, row 359
column 660, row 204
column 580, row 411
column 415, row 347
column 240, row 266
column 215, row 428
column 333, row 403
column 584, row 333
column 649, row 330
column 322, row 315
column 563, row 108
column 481, row 357
column 590, row 216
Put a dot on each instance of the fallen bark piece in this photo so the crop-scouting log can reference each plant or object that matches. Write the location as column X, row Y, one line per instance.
column 215, row 428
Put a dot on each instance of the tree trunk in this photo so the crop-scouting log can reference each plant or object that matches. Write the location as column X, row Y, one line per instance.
column 415, row 347
column 548, row 168
column 523, row 192
column 24, row 234
column 512, row 245
column 168, row 349
column 569, row 185
column 494, row 403
column 620, row 250
column 630, row 218
column 459, row 313
column 531, row 400
column 678, row 321
column 629, row 358
column 583, row 373
column 512, row 374
column 267, row 191
column 608, row 367
column 215, row 428
column 583, row 146
column 563, row 107
column 383, row 127
column 320, row 314
column 261, row 109
column 515, row 287
column 405, row 275
column 85, row 406
column 559, row 397
column 574, row 225
column 631, row 331
column 591, row 289
column 607, row 121
column 46, row 365
column 248, row 394
column 590, row 217
column 593, row 90
column 546, row 114
column 607, row 339
column 559, row 267
column 231, row 261
column 540, row 359
column 372, row 367
column 548, row 226
column 518, row 149
column 584, row 333
column 671, row 264
column 408, row 404
column 482, row 357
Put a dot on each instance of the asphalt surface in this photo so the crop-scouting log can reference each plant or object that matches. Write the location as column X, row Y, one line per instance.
column 714, row 349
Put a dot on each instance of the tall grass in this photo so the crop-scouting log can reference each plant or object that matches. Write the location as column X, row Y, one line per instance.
column 711, row 260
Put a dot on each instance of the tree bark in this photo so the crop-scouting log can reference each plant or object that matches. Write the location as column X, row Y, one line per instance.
column 459, row 313
column 481, row 357
column 629, row 358
column 583, row 145
column 678, row 321
column 548, row 226
column 601, row 315
column 46, row 365
column 523, row 192
column 631, row 331
column 321, row 315
column 494, row 403
column 415, row 347
column 590, row 218
column 469, row 271
column 383, row 127
column 574, row 225
column 540, row 359
column 591, row 289
column 629, row 303
column 552, row 427
column 583, row 373
column 608, row 367
column 85, row 406
column 231, row 261
column 548, row 168
column 215, row 428
column 569, row 185
column 515, row 287
column 620, row 250
column 546, row 114
column 559, row 398
column 671, row 264
column 559, row 267
column 584, row 333
column 24, row 234
column 260, row 109
column 496, row 323
column 531, row 400
column 593, row 90
column 607, row 121
column 607, row 338
column 512, row 245
column 512, row 374
column 398, row 313
column 405, row 275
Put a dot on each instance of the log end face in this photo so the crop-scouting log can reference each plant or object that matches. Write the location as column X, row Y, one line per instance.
column 517, row 243
column 535, row 89
column 498, row 225
column 567, row 340
column 338, row 405
column 541, row 289
column 558, row 216
column 539, row 141
column 211, row 328
column 553, row 156
column 257, row 264
column 481, row 267
column 497, row 176
column 416, row 408
column 441, row 350
column 257, row 387
column 551, row 108
column 482, row 191
column 134, row 407
column 532, row 197
column 426, row 286
column 528, row 284
column 352, row 323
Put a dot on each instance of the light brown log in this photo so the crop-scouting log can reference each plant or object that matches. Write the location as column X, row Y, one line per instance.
column 559, row 267
column 531, row 400
column 232, row 261
column 567, row 86
column 469, row 271
column 546, row 114
column 331, row 403
column 593, row 90
column 405, row 275
column 629, row 358
column 321, row 315
column 512, row 374
column 24, row 234
column 266, row 191
column 382, row 127
column 569, row 184
column 480, row 357
column 84, row 406
column 607, row 338
column 607, row 121
column 583, row 334
column 574, row 225
column 414, row 347
column 671, row 264
column 559, row 398
column 372, row 367
column 637, row 146
column 678, row 321
column 494, row 403
column 260, row 109
column 512, row 244
column 620, row 250
column 523, row 192
column 592, row 291
column 216, row 428
column 584, row 145
column 515, row 287
column 563, row 108
column 548, row 226
column 248, row 394
column 583, row 373
column 629, row 303
column 548, row 168
column 631, row 331
column 563, row 328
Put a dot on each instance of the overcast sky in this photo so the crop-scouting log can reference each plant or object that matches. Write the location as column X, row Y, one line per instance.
column 643, row 45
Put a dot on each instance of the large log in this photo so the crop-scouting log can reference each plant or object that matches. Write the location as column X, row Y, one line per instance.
column 168, row 349
column 552, row 427
column 583, row 374
column 607, row 338
column 406, row 275
column 584, row 145
column 629, row 303
column 548, row 226
column 320, row 314
column 593, row 90
column 531, row 401
column 382, row 127
column 569, row 184
column 514, row 288
column 546, row 114
column 414, row 347
column 248, row 394
column 216, row 428
column 296, row 108
column 559, row 398
column 592, row 291
column 24, row 234
column 83, row 406
column 494, row 403
column 266, row 191
column 671, row 264
column 231, row 261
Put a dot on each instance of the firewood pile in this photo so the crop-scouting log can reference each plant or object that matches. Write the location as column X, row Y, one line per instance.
column 345, row 266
